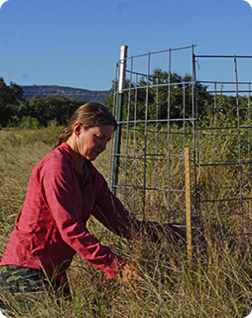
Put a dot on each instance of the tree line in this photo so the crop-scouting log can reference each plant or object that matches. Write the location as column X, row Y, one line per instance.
column 158, row 89
column 15, row 110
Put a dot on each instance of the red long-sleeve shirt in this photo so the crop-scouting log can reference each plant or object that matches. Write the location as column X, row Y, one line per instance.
column 52, row 226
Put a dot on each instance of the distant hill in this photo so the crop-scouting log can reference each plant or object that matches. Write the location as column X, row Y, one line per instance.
column 69, row 92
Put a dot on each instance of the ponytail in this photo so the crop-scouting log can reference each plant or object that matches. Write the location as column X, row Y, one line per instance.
column 63, row 137
column 19, row 214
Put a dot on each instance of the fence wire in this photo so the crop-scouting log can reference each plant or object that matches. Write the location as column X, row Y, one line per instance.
column 159, row 114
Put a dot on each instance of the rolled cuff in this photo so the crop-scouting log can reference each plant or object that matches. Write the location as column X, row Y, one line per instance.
column 115, row 268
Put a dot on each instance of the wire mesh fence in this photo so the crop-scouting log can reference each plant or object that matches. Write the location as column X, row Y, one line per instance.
column 160, row 113
column 227, row 162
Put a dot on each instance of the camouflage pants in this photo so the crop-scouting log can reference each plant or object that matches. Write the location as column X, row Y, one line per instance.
column 27, row 285
column 18, row 279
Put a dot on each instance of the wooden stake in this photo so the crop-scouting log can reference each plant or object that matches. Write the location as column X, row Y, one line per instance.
column 188, row 207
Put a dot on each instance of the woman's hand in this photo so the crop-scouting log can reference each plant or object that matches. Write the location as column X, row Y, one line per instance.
column 130, row 273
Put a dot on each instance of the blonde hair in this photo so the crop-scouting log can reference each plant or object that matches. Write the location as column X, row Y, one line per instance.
column 88, row 115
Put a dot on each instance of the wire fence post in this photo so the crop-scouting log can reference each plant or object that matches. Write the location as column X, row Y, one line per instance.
column 119, row 112
column 239, row 140
column 188, row 207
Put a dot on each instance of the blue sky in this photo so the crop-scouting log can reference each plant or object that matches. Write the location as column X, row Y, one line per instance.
column 77, row 43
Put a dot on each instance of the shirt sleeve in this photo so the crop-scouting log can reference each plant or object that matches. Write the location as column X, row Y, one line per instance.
column 59, row 195
column 111, row 213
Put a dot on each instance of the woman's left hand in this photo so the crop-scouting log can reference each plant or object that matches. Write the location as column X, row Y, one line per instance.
column 130, row 273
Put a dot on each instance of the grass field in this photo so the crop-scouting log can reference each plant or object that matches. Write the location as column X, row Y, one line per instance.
column 218, row 284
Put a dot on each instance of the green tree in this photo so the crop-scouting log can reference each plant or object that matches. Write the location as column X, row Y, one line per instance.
column 158, row 92
column 11, row 98
column 52, row 108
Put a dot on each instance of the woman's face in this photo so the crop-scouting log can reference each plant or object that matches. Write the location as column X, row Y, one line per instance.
column 93, row 141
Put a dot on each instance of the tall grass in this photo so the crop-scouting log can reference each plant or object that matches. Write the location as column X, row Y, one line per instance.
column 217, row 285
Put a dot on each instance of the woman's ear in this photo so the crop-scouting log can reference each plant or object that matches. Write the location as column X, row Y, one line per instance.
column 77, row 128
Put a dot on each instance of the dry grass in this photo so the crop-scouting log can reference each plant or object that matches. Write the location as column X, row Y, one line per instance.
column 218, row 284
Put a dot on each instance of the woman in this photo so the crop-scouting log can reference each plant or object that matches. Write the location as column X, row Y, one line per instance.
column 63, row 191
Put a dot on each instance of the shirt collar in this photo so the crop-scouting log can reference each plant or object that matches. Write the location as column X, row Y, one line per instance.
column 68, row 152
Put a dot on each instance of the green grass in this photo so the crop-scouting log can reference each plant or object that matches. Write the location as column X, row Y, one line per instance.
column 217, row 285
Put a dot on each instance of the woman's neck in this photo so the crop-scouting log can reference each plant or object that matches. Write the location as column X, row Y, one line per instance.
column 78, row 159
